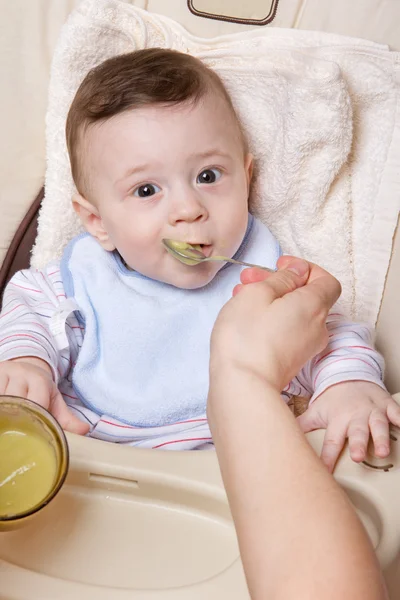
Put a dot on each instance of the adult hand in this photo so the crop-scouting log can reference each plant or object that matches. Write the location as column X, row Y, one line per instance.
column 261, row 339
column 272, row 327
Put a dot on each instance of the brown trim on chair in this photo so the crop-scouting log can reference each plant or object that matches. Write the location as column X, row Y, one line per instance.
column 18, row 253
column 270, row 17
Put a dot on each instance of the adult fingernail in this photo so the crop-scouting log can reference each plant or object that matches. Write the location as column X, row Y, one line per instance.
column 298, row 266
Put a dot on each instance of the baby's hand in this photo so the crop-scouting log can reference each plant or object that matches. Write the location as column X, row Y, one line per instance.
column 32, row 378
column 353, row 410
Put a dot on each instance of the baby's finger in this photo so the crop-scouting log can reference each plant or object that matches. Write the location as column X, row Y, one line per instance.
column 310, row 420
column 379, row 426
column 40, row 393
column 334, row 441
column 393, row 412
column 4, row 379
column 65, row 417
column 358, row 434
column 15, row 387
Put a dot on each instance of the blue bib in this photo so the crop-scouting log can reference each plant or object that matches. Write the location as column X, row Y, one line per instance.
column 145, row 353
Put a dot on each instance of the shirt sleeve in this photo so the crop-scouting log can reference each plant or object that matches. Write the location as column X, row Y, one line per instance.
column 30, row 300
column 349, row 356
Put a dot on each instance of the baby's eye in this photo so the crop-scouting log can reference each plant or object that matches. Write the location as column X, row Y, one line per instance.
column 146, row 190
column 209, row 176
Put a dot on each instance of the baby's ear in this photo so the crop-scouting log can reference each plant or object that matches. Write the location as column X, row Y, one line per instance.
column 91, row 219
column 248, row 165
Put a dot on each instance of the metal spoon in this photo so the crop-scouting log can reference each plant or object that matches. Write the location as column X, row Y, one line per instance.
column 192, row 255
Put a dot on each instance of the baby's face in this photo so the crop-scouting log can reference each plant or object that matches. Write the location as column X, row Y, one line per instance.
column 170, row 172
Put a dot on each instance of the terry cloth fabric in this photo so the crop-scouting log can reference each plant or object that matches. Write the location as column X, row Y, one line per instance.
column 321, row 113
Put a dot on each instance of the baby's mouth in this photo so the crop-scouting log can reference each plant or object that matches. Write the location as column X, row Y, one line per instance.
column 189, row 253
column 206, row 249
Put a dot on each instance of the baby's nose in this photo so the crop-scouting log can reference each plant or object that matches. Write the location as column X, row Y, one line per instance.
column 188, row 208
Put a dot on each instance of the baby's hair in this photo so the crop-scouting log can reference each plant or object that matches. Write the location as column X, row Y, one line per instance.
column 128, row 81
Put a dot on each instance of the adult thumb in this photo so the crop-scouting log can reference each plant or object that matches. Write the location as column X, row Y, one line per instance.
column 65, row 417
column 292, row 274
column 298, row 266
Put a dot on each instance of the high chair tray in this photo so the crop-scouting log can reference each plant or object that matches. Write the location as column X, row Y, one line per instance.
column 131, row 524
column 152, row 525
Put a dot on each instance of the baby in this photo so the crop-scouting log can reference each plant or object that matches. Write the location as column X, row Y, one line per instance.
column 114, row 338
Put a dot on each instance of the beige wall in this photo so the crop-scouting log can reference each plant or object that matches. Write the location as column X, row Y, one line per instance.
column 28, row 32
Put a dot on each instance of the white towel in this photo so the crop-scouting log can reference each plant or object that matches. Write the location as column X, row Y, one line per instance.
column 322, row 114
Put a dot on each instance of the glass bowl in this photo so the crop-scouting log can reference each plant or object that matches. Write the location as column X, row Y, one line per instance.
column 21, row 415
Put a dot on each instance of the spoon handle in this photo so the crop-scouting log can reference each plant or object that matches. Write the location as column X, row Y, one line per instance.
column 238, row 262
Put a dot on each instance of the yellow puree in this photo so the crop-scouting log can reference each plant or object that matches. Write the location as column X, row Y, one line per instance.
column 185, row 247
column 182, row 246
column 28, row 469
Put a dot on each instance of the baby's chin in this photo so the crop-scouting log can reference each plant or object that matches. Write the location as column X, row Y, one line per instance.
column 182, row 276
column 192, row 278
column 193, row 281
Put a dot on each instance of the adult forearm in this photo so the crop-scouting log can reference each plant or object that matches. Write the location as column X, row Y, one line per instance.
column 294, row 524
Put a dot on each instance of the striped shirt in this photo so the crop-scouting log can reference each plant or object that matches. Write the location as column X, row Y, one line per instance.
column 32, row 298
